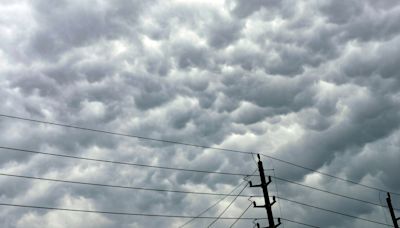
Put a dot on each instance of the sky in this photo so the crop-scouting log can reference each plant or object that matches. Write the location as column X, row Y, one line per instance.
column 315, row 83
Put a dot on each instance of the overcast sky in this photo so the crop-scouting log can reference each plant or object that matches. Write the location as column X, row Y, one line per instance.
column 311, row 82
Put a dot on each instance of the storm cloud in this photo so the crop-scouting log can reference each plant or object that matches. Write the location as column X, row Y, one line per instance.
column 316, row 83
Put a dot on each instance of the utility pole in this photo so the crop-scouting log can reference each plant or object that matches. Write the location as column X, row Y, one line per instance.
column 268, row 205
column 389, row 203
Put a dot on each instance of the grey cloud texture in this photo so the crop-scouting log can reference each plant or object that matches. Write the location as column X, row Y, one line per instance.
column 315, row 83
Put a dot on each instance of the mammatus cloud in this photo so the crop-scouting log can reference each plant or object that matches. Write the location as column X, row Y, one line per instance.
column 315, row 83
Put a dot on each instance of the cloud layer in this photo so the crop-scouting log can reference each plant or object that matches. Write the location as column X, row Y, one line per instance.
column 315, row 83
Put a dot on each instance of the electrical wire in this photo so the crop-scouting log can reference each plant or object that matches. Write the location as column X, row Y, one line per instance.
column 188, row 170
column 328, row 175
column 122, row 134
column 234, row 199
column 383, row 210
column 121, row 163
column 174, row 191
column 217, row 202
column 277, row 192
column 118, row 213
column 122, row 187
column 329, row 192
column 191, row 145
column 241, row 215
column 334, row 212
column 209, row 208
column 299, row 223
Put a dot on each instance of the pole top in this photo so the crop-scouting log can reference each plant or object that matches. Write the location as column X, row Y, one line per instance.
column 258, row 155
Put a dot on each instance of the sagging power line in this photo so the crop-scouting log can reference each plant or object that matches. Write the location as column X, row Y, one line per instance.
column 330, row 192
column 192, row 145
column 227, row 207
column 120, row 213
column 328, row 175
column 214, row 204
column 299, row 223
column 123, row 163
column 241, row 215
column 269, row 217
column 189, row 192
column 269, row 211
column 334, row 212
column 123, row 187
column 188, row 170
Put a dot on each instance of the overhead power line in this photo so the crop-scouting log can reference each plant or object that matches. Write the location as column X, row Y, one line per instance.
column 245, row 210
column 227, row 207
column 119, row 213
column 335, row 212
column 217, row 202
column 329, row 175
column 121, row 162
column 192, row 145
column 122, row 187
column 188, row 170
column 213, row 205
column 295, row 222
column 329, row 192
column 137, row 188
column 123, row 134
column 299, row 223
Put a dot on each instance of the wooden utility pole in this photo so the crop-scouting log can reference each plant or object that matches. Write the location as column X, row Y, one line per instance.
column 264, row 185
column 389, row 203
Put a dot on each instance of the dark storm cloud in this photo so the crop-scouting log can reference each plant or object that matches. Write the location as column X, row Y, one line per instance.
column 372, row 119
column 381, row 62
column 279, row 93
column 314, row 83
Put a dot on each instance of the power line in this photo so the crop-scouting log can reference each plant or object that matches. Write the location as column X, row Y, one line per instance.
column 329, row 192
column 241, row 215
column 383, row 209
column 217, row 202
column 277, row 194
column 122, row 187
column 299, row 223
column 334, row 212
column 187, row 192
column 123, row 134
column 209, row 208
column 191, row 145
column 327, row 174
column 122, row 163
column 182, row 169
column 229, row 205
column 118, row 213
